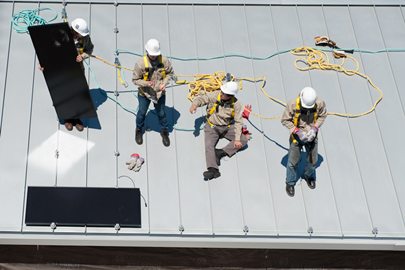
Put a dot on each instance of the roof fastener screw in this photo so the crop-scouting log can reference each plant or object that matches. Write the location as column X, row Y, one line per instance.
column 181, row 228
column 245, row 229
column 375, row 231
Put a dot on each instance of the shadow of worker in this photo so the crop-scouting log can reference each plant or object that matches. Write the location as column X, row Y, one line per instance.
column 152, row 120
column 99, row 96
column 301, row 163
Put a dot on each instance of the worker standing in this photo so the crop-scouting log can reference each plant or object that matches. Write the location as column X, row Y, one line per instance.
column 84, row 47
column 303, row 117
column 152, row 73
column 222, row 109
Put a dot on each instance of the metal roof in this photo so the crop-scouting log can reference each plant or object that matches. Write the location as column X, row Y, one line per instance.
column 360, row 174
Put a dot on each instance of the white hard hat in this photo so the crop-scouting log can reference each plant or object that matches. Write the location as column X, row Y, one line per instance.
column 230, row 88
column 80, row 26
column 153, row 47
column 308, row 97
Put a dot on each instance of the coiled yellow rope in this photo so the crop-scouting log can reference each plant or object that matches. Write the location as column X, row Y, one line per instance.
column 204, row 83
column 317, row 59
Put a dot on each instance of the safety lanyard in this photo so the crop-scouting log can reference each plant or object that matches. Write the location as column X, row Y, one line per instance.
column 215, row 106
column 145, row 59
column 298, row 114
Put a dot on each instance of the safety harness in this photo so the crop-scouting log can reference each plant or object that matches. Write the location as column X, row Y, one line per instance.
column 150, row 70
column 215, row 108
column 298, row 114
column 79, row 45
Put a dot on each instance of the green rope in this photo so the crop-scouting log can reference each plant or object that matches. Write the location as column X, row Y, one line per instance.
column 29, row 17
column 117, row 51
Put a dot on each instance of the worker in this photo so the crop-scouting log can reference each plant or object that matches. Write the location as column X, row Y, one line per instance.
column 152, row 73
column 303, row 117
column 84, row 46
column 222, row 108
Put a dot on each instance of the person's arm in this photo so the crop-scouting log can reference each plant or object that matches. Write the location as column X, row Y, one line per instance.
column 288, row 117
column 322, row 114
column 168, row 70
column 198, row 102
column 88, row 47
column 238, row 124
column 138, row 75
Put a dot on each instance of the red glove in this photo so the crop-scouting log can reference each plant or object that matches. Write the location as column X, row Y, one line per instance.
column 246, row 112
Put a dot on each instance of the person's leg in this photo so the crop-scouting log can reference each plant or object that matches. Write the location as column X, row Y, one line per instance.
column 229, row 149
column 142, row 110
column 312, row 159
column 294, row 154
column 211, row 139
column 140, row 117
column 160, row 111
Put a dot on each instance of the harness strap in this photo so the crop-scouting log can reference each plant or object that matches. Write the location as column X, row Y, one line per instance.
column 148, row 69
column 215, row 107
column 79, row 45
column 298, row 114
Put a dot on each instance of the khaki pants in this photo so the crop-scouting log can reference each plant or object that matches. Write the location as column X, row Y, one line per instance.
column 211, row 140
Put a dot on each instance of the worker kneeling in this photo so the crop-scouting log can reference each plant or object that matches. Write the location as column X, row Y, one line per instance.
column 222, row 109
column 303, row 117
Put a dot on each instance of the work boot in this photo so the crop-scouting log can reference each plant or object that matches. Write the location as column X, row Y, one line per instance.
column 290, row 190
column 212, row 173
column 165, row 137
column 69, row 124
column 310, row 182
column 78, row 124
column 219, row 153
column 138, row 136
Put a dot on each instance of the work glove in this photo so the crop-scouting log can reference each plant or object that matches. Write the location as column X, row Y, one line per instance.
column 246, row 112
column 132, row 161
column 246, row 132
column 312, row 133
column 138, row 164
column 301, row 135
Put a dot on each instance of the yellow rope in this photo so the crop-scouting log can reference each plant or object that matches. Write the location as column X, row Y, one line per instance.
column 101, row 59
column 316, row 59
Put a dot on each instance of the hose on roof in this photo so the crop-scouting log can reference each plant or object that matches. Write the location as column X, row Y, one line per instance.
column 29, row 17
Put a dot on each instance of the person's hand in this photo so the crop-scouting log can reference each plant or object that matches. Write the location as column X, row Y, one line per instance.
column 162, row 87
column 193, row 109
column 151, row 83
column 40, row 67
column 79, row 58
column 312, row 133
column 301, row 135
column 237, row 145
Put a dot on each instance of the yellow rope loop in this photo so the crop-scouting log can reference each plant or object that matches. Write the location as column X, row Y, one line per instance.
column 317, row 59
